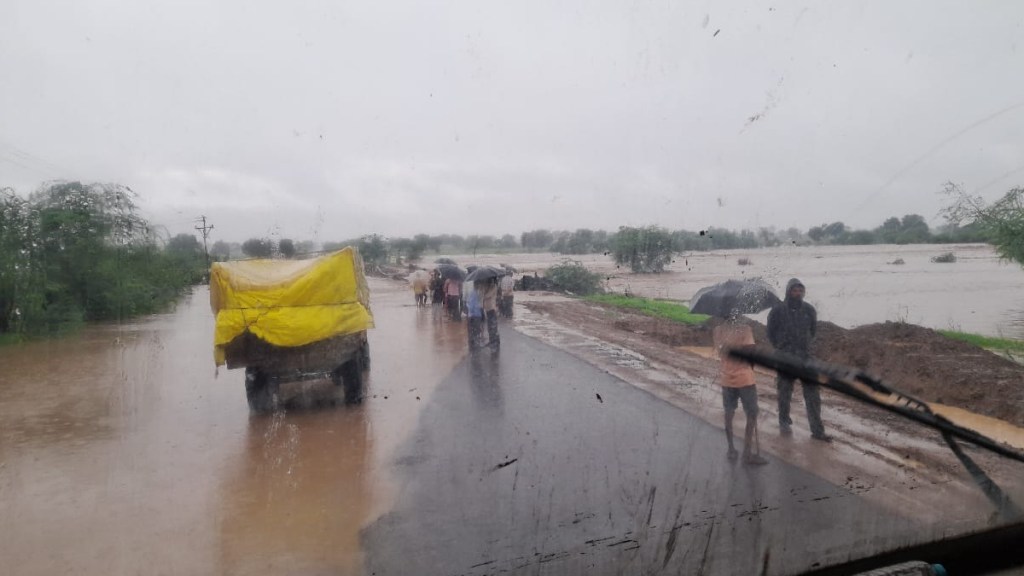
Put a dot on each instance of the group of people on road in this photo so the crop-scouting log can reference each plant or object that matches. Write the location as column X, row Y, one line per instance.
column 792, row 327
column 482, row 301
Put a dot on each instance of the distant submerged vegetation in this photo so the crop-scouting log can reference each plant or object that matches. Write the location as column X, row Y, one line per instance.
column 642, row 249
column 74, row 252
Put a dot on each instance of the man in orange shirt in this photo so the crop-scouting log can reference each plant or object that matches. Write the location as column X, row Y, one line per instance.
column 737, row 379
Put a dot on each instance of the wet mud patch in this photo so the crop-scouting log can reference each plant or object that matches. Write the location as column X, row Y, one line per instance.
column 911, row 358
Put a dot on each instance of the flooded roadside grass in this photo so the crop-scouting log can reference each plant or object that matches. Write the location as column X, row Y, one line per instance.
column 651, row 307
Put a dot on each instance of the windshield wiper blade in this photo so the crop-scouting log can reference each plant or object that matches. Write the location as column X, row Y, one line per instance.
column 871, row 390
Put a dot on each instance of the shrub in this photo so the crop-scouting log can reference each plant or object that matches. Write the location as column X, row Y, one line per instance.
column 744, row 262
column 572, row 276
column 946, row 258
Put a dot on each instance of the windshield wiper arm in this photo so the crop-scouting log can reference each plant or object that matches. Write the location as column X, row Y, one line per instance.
column 852, row 382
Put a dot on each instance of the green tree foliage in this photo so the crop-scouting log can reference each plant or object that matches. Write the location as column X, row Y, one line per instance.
column 258, row 248
column 572, row 276
column 374, row 249
column 536, row 239
column 477, row 243
column 185, row 254
column 73, row 252
column 286, row 247
column 220, row 250
column 911, row 229
column 582, row 241
column 411, row 249
column 827, row 233
column 646, row 250
column 1002, row 221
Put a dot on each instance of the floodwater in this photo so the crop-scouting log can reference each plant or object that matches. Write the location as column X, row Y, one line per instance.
column 123, row 451
column 849, row 285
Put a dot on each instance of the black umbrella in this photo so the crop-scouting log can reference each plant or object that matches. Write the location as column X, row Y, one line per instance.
column 451, row 271
column 445, row 261
column 485, row 273
column 734, row 297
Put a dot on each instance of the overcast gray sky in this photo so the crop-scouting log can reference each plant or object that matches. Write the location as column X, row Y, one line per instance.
column 327, row 120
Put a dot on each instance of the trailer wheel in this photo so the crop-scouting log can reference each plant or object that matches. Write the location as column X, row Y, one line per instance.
column 261, row 394
column 350, row 377
column 364, row 356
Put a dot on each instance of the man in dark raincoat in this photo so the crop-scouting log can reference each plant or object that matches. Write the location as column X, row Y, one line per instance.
column 792, row 325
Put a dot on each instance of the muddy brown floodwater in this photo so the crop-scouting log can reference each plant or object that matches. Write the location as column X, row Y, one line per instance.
column 123, row 451
column 850, row 285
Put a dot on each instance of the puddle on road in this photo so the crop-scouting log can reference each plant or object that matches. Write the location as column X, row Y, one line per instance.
column 994, row 428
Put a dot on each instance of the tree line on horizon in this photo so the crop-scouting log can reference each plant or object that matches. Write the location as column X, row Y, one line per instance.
column 379, row 249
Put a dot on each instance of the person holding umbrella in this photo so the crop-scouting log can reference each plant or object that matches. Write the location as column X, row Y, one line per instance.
column 488, row 290
column 453, row 277
column 792, row 325
column 475, row 316
column 485, row 282
column 453, row 298
column 738, row 386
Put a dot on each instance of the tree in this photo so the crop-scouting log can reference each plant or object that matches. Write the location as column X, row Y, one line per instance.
column 913, row 230
column 286, row 247
column 75, row 251
column 258, row 248
column 537, row 239
column 409, row 249
column 221, row 250
column 890, row 230
column 1002, row 221
column 374, row 249
column 580, row 242
column 835, row 229
column 829, row 233
column 16, row 255
column 185, row 245
column 476, row 243
column 645, row 250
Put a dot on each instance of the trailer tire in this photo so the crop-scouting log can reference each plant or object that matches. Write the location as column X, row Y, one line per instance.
column 261, row 394
column 350, row 377
column 364, row 356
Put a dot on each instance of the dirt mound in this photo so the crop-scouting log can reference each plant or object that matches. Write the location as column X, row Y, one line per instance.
column 923, row 362
column 916, row 360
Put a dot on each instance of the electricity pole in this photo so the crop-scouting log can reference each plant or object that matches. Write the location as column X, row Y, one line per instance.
column 206, row 233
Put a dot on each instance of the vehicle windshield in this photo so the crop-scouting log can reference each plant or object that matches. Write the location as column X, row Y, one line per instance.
column 522, row 288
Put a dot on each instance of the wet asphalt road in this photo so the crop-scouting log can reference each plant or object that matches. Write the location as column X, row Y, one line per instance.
column 123, row 451
column 532, row 462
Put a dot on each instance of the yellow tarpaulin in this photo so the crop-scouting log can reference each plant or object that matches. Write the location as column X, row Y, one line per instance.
column 289, row 302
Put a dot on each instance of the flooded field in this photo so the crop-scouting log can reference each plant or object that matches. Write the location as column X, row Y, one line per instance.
column 123, row 450
column 849, row 285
